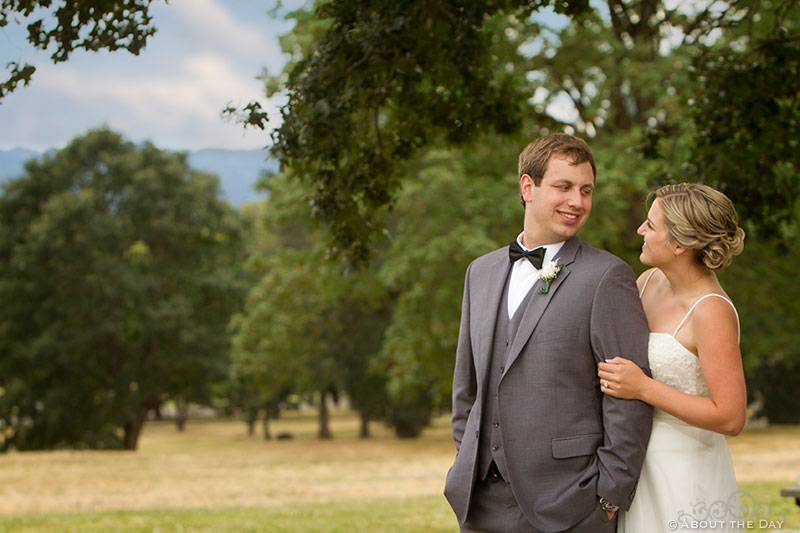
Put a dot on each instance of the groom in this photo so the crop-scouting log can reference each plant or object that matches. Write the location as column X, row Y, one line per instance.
column 540, row 447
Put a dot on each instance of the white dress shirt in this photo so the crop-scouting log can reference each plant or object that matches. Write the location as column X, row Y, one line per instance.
column 524, row 275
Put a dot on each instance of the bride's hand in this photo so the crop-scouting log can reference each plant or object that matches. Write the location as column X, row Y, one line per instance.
column 621, row 378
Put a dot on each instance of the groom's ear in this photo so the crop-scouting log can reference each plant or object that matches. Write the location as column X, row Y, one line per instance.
column 526, row 186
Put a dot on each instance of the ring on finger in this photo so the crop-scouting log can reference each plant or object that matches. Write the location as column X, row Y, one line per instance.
column 605, row 384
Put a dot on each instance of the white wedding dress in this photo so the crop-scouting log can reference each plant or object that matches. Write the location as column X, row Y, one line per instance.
column 687, row 481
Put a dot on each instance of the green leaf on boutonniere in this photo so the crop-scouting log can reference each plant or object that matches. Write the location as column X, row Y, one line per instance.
column 548, row 273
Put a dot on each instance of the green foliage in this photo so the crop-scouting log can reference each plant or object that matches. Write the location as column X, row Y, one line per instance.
column 380, row 143
column 383, row 81
column 89, row 25
column 748, row 115
column 776, row 382
column 283, row 324
column 307, row 325
column 116, row 269
column 370, row 87
column 618, row 205
column 762, row 283
column 455, row 207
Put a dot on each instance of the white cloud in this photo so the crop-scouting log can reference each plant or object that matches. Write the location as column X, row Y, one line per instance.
column 190, row 98
column 203, row 57
column 212, row 27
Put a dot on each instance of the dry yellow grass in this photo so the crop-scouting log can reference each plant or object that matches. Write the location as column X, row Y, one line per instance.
column 214, row 464
column 764, row 455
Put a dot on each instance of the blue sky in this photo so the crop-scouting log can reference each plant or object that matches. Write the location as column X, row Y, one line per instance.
column 205, row 54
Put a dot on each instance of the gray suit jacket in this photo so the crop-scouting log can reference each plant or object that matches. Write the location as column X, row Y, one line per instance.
column 565, row 442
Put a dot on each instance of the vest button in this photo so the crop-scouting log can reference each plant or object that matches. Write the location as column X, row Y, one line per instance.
column 495, row 447
column 502, row 369
column 496, row 424
column 476, row 434
column 506, row 343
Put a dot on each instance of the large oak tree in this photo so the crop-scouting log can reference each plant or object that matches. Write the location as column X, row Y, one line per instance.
column 117, row 283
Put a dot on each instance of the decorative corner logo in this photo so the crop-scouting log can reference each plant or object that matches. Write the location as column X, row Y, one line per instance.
column 739, row 511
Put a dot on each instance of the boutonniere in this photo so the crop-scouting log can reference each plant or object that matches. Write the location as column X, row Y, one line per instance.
column 548, row 273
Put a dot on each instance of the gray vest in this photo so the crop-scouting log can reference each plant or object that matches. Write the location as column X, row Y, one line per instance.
column 490, row 447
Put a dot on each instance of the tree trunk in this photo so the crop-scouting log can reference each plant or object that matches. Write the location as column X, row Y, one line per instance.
column 252, row 416
column 324, row 416
column 132, row 432
column 265, row 422
column 181, row 414
column 364, row 432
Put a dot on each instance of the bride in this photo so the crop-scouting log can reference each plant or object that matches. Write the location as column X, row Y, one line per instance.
column 697, row 389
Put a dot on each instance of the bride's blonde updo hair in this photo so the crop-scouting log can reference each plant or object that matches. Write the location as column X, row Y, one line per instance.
column 702, row 219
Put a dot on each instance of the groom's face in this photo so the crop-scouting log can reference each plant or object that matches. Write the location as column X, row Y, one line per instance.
column 559, row 207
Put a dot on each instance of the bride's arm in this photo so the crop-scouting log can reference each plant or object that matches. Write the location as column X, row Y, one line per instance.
column 715, row 331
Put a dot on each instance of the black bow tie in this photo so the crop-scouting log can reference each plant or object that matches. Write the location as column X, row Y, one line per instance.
column 536, row 257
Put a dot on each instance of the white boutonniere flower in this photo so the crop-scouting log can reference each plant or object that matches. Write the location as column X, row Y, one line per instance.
column 548, row 273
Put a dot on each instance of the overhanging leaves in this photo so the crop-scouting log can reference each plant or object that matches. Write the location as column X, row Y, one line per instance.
column 748, row 118
column 385, row 80
column 89, row 25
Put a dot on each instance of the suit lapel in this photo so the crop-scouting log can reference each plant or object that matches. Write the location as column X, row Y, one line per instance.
column 490, row 306
column 537, row 303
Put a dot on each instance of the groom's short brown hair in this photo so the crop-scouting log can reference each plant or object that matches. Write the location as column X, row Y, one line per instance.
column 534, row 158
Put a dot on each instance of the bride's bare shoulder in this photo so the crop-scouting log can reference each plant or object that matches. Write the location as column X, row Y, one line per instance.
column 646, row 277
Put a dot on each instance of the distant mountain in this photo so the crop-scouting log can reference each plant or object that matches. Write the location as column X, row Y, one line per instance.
column 238, row 170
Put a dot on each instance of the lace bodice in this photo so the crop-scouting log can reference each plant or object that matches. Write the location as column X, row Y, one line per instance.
column 672, row 364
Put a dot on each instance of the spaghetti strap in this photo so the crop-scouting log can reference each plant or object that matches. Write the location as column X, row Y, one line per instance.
column 647, row 281
column 738, row 325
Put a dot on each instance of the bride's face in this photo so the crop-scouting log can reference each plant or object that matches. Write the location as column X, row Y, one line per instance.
column 657, row 248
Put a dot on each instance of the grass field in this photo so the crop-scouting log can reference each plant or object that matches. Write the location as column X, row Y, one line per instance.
column 213, row 477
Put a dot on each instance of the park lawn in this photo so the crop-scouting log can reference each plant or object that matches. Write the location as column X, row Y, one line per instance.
column 213, row 477
column 421, row 515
